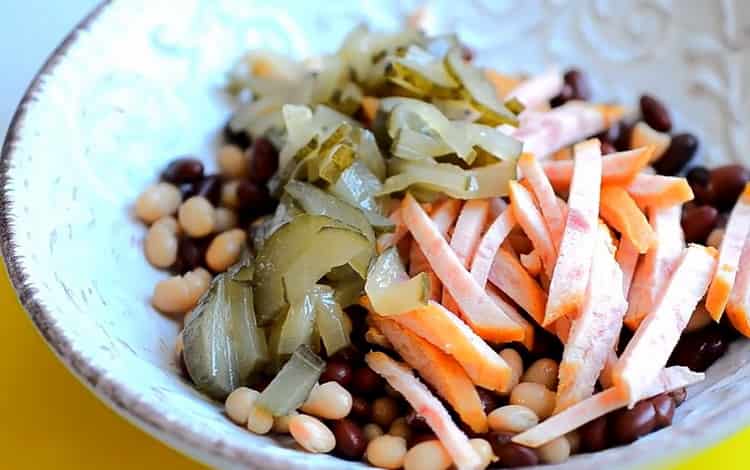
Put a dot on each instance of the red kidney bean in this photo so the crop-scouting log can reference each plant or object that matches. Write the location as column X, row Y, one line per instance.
column 664, row 407
column 546, row 345
column 420, row 437
column 239, row 138
column 264, row 160
column 350, row 440
column 209, row 187
column 348, row 355
column 253, row 198
column 416, row 422
column 627, row 425
column 679, row 153
column 594, row 435
column 336, row 371
column 512, row 455
column 622, row 142
column 361, row 409
column 699, row 179
column 467, row 53
column 655, row 114
column 612, row 133
column 191, row 253
column 700, row 349
column 607, row 148
column 183, row 170
column 678, row 396
column 489, row 399
column 366, row 382
column 698, row 221
column 575, row 87
column 727, row 183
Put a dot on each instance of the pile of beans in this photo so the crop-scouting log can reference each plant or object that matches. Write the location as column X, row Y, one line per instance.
column 197, row 222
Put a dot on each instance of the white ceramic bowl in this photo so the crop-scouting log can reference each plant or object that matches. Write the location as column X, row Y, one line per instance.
column 137, row 84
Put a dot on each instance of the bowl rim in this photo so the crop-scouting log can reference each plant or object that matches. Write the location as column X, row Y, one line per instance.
column 116, row 395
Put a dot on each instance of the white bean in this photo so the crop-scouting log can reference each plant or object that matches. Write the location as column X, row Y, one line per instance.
column 232, row 161
column 311, row 434
column 512, row 418
column 484, row 449
column 196, row 216
column 160, row 245
column 281, row 423
column 427, row 455
column 225, row 249
column 239, row 403
column 555, row 451
column 542, row 371
column 157, row 201
column 226, row 219
column 371, row 431
column 329, row 401
column 259, row 420
column 399, row 428
column 515, row 362
column 386, row 451
column 536, row 397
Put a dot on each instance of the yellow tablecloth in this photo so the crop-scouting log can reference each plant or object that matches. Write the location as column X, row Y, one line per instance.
column 49, row 420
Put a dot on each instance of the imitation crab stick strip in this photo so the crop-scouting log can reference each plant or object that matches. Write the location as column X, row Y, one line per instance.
column 611, row 399
column 388, row 240
column 466, row 236
column 545, row 195
column 538, row 90
column 621, row 212
column 487, row 248
column 735, row 234
column 426, row 405
column 617, row 168
column 627, row 257
column 591, row 335
column 508, row 275
column 659, row 191
column 649, row 349
column 655, row 269
column 443, row 216
column 497, row 207
column 532, row 223
column 528, row 328
column 738, row 307
column 544, row 133
column 446, row 331
column 447, row 377
column 486, row 318
column 571, row 274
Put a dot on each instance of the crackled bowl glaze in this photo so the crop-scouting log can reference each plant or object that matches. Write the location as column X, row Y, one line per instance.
column 138, row 83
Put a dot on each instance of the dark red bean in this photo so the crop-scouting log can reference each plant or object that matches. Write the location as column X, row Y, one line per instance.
column 366, row 382
column 627, row 425
column 698, row 221
column 361, row 409
column 700, row 349
column 546, row 345
column 622, row 142
column 191, row 253
column 418, row 438
column 264, row 160
column 566, row 94
column 350, row 440
column 678, row 396
column 726, row 184
column 416, row 422
column 664, row 407
column 594, row 435
column 578, row 83
column 262, row 382
column 498, row 438
column 210, row 188
column 512, row 455
column 655, row 114
column 489, row 399
column 679, row 153
column 239, row 138
column 467, row 53
column 183, row 170
column 607, row 148
column 612, row 133
column 698, row 176
column 348, row 355
column 337, row 372
column 253, row 197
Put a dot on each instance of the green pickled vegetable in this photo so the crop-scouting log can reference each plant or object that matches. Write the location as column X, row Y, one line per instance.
column 422, row 73
column 348, row 291
column 328, row 248
column 492, row 141
column 457, row 110
column 479, row 90
column 291, row 386
column 298, row 326
column 329, row 319
column 357, row 186
column 389, row 288
column 223, row 345
column 368, row 152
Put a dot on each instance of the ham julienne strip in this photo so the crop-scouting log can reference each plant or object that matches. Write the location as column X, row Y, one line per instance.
column 655, row 268
column 649, row 349
column 571, row 274
column 592, row 334
column 545, row 195
column 531, row 221
column 480, row 312
column 738, row 307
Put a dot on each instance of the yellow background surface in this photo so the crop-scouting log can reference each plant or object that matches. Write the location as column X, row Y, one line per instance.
column 49, row 420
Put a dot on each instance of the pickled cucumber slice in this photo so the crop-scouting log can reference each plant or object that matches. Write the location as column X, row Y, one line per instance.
column 291, row 386
column 368, row 152
column 423, row 73
column 298, row 326
column 389, row 288
column 357, row 186
column 222, row 344
column 329, row 321
column 479, row 91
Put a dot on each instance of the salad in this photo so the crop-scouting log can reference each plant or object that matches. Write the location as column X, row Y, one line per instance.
column 413, row 261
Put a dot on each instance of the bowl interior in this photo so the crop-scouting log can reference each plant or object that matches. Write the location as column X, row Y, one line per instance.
column 140, row 84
